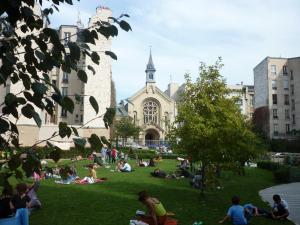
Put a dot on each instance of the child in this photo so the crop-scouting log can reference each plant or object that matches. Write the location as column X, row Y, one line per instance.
column 235, row 213
column 21, row 199
column 280, row 208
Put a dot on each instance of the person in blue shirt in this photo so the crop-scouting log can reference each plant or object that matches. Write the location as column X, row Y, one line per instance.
column 236, row 213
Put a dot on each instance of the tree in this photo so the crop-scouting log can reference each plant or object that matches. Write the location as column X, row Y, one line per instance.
column 126, row 128
column 29, row 51
column 209, row 126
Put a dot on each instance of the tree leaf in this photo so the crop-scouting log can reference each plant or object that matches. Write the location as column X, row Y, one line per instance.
column 95, row 142
column 40, row 55
column 105, row 141
column 75, row 131
column 111, row 54
column 4, row 126
column 68, row 104
column 14, row 162
column 82, row 76
column 28, row 111
column 79, row 143
column 13, row 128
column 11, row 100
column 64, row 130
column 39, row 88
column 124, row 25
column 95, row 57
column 74, row 51
column 94, row 104
column 37, row 119
column 91, row 69
column 109, row 116
column 55, row 155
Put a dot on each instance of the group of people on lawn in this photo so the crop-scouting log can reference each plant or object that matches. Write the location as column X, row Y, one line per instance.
column 240, row 215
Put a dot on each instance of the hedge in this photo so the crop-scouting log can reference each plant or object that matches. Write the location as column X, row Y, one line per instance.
column 268, row 165
column 282, row 173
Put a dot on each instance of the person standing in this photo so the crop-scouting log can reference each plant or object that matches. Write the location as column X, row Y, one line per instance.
column 103, row 154
column 108, row 155
column 114, row 153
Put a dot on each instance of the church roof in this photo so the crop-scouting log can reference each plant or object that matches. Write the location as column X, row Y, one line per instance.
column 158, row 91
column 150, row 65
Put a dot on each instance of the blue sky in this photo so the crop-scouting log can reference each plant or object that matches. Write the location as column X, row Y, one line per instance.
column 184, row 33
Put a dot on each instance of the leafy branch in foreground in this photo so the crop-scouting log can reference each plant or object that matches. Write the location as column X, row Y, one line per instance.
column 29, row 52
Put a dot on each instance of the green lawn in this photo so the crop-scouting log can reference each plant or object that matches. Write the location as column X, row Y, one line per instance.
column 115, row 202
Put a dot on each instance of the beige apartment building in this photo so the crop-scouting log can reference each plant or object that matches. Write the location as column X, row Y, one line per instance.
column 98, row 85
column 277, row 89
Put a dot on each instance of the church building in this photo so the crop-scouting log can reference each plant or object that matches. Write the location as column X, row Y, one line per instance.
column 152, row 109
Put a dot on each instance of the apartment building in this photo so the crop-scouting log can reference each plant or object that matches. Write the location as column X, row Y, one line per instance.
column 277, row 90
column 245, row 95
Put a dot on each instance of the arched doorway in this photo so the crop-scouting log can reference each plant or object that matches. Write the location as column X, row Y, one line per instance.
column 151, row 137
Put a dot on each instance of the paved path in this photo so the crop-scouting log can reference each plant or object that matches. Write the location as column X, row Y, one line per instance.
column 290, row 193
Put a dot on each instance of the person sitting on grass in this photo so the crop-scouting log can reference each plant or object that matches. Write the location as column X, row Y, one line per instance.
column 21, row 199
column 142, row 163
column 126, row 167
column 236, row 213
column 159, row 173
column 151, row 163
column 157, row 215
column 92, row 176
column 280, row 209
column 5, row 198
column 35, row 203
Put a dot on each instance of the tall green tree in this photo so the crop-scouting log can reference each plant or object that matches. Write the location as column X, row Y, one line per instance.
column 125, row 128
column 29, row 52
column 209, row 126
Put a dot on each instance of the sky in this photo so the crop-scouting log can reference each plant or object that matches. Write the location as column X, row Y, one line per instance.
column 184, row 33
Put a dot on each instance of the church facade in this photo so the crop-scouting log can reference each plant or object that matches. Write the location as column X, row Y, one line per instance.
column 152, row 109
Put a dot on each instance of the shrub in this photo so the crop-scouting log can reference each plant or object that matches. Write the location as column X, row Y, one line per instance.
column 268, row 165
column 282, row 175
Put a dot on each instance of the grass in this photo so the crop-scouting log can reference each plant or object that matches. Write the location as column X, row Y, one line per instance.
column 114, row 202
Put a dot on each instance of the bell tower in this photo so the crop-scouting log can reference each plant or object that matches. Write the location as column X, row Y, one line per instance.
column 150, row 70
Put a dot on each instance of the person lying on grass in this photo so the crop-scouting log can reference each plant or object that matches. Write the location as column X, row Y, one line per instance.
column 280, row 208
column 91, row 178
column 157, row 215
column 236, row 213
column 251, row 210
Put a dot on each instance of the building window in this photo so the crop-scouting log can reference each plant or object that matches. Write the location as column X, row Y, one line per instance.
column 54, row 82
column 292, row 89
column 275, row 115
column 151, row 76
column 151, row 112
column 275, row 127
column 65, row 78
column 273, row 69
column 293, row 119
column 239, row 102
column 284, row 70
column 286, row 99
column 292, row 75
column 274, row 85
column 64, row 113
column 287, row 114
column 286, row 85
column 274, row 97
column 287, row 128
column 67, row 37
column 64, row 91
column 293, row 104
column 81, row 118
